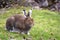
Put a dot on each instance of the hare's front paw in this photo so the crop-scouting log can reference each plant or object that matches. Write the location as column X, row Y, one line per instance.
column 28, row 33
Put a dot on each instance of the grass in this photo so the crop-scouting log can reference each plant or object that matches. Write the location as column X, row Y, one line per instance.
column 46, row 25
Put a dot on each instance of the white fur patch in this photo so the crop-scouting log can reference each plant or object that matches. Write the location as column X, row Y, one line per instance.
column 24, row 13
column 30, row 11
column 28, row 33
column 15, row 30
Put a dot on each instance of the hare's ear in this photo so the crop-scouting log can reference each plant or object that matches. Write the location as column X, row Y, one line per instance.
column 29, row 13
column 24, row 12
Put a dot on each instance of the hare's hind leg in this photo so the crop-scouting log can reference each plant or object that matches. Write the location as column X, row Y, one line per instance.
column 9, row 28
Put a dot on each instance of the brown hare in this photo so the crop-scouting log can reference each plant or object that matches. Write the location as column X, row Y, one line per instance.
column 22, row 23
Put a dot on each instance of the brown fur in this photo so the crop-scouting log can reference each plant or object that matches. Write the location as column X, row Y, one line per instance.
column 19, row 22
column 10, row 23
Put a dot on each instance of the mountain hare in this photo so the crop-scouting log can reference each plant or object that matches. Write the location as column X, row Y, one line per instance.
column 22, row 23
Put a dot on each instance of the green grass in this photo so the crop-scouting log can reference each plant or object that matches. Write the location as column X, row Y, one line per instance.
column 46, row 25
